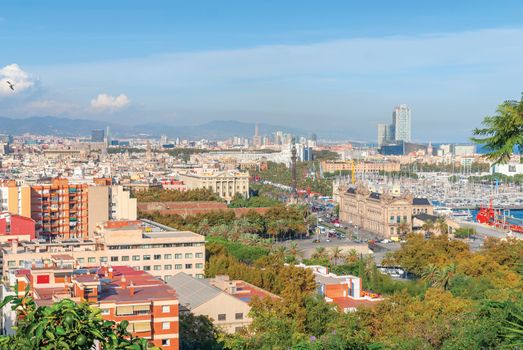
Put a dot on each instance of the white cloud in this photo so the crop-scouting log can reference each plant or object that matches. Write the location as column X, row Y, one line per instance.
column 18, row 77
column 108, row 102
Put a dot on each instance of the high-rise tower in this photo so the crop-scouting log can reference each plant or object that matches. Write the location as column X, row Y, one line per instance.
column 401, row 121
column 256, row 139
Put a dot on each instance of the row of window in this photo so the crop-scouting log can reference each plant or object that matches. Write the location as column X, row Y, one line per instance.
column 170, row 267
column 237, row 316
column 155, row 246
column 155, row 257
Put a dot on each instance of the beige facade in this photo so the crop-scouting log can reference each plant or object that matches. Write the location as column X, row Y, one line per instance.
column 382, row 214
column 330, row 166
column 143, row 245
column 15, row 199
column 225, row 183
column 109, row 203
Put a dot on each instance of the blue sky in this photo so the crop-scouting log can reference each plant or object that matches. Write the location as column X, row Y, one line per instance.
column 336, row 65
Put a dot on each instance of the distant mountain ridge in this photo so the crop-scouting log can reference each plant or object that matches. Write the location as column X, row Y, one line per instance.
column 214, row 130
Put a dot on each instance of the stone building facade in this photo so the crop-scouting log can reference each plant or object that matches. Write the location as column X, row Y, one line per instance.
column 380, row 213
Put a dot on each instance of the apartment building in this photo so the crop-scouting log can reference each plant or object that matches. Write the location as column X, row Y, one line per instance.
column 225, row 183
column 224, row 301
column 16, row 227
column 120, row 292
column 380, row 213
column 143, row 245
column 67, row 210
column 346, row 291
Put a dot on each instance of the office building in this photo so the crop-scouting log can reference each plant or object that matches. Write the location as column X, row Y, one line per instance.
column 120, row 292
column 383, row 136
column 144, row 245
column 401, row 119
column 98, row 135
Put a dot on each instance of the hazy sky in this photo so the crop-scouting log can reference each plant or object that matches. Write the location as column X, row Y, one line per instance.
column 317, row 65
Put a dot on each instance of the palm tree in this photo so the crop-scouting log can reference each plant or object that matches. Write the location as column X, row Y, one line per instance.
column 320, row 253
column 441, row 226
column 336, row 253
column 428, row 226
column 444, row 276
column 403, row 228
column 279, row 252
column 430, row 274
column 295, row 251
column 503, row 132
column 352, row 256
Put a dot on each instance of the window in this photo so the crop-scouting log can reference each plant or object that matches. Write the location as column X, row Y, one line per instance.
column 146, row 257
column 125, row 258
column 221, row 317
column 178, row 266
column 188, row 266
column 157, row 256
column 239, row 316
column 188, row 255
column 80, row 260
column 136, row 257
column 147, row 268
column 42, row 279
column 166, row 309
column 167, row 267
column 105, row 311
column 166, row 278
column 199, row 275
column 199, row 266
column 103, row 259
column 167, row 256
column 166, row 325
column 199, row 255
column 157, row 267
column 114, row 258
column 392, row 218
column 11, row 263
column 398, row 219
column 166, row 342
column 178, row 256
column 91, row 259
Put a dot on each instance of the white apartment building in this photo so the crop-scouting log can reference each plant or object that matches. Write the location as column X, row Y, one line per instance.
column 141, row 244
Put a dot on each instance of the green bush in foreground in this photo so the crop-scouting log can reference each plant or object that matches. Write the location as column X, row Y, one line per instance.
column 66, row 325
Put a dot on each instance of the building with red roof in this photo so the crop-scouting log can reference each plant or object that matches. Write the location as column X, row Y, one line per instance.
column 120, row 292
column 13, row 226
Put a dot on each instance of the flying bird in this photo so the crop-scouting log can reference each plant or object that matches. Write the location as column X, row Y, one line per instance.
column 11, row 85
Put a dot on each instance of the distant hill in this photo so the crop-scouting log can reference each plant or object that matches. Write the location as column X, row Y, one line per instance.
column 213, row 130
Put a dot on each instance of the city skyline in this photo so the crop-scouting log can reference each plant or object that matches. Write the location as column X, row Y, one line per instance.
column 256, row 64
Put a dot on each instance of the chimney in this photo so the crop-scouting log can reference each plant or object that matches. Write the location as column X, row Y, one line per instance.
column 14, row 245
column 110, row 272
column 131, row 289
column 123, row 282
